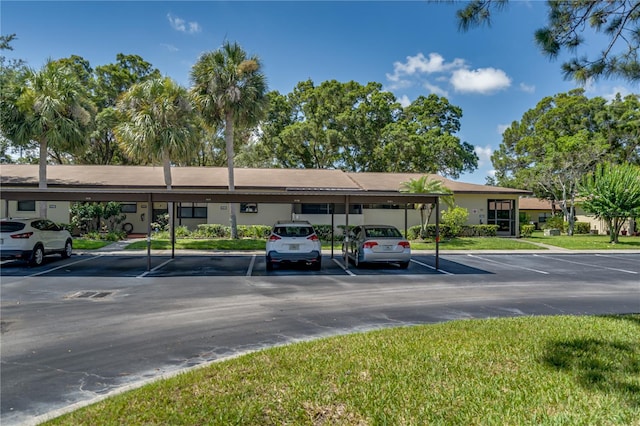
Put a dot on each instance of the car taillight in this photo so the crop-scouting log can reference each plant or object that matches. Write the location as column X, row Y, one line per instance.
column 313, row 237
column 404, row 244
column 274, row 238
column 23, row 235
column 369, row 244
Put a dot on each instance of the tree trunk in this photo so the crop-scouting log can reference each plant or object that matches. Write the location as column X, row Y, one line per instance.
column 42, row 172
column 228, row 139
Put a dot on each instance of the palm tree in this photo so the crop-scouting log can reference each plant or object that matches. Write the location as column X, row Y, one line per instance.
column 52, row 109
column 426, row 185
column 229, row 89
column 158, row 125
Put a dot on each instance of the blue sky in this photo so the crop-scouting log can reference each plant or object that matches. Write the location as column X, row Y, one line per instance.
column 412, row 48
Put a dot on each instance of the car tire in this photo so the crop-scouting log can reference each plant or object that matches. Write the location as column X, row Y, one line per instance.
column 317, row 265
column 68, row 249
column 269, row 264
column 37, row 257
column 403, row 265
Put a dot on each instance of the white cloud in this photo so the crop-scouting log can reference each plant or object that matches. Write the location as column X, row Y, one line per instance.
column 456, row 73
column 419, row 64
column 491, row 173
column 527, row 89
column 436, row 90
column 481, row 80
column 183, row 26
column 503, row 127
column 169, row 47
column 484, row 154
column 623, row 91
column 404, row 101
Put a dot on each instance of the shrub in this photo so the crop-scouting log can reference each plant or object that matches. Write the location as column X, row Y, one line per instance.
column 455, row 219
column 581, row 228
column 258, row 232
column 212, row 230
column 182, row 232
column 526, row 230
column 106, row 236
column 555, row 222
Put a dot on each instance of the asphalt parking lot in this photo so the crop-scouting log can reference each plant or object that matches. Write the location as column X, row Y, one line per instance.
column 75, row 330
column 221, row 265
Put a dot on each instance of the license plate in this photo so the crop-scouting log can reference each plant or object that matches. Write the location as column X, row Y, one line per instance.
column 387, row 248
column 294, row 246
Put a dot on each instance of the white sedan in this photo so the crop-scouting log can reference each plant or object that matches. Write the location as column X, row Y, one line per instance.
column 377, row 244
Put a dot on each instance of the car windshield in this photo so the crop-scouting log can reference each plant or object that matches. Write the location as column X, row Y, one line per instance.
column 382, row 233
column 293, row 231
column 11, row 226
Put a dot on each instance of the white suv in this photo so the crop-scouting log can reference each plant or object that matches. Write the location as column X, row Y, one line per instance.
column 32, row 239
column 293, row 241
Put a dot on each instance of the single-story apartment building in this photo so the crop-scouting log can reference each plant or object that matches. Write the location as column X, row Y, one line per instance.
column 538, row 211
column 485, row 204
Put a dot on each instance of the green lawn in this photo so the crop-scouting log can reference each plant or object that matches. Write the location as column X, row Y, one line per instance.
column 576, row 242
column 560, row 370
column 586, row 242
column 246, row 244
column 484, row 243
column 84, row 244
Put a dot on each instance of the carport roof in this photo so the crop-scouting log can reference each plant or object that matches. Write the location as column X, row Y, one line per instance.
column 216, row 179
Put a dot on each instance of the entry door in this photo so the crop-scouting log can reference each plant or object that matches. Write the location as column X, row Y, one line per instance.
column 503, row 214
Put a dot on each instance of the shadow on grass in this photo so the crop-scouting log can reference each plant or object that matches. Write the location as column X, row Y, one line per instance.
column 601, row 365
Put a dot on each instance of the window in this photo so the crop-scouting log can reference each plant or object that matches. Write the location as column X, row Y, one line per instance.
column 129, row 208
column 326, row 208
column 192, row 212
column 27, row 206
column 248, row 208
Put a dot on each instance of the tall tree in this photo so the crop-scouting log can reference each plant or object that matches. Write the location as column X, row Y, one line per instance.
column 12, row 75
column 552, row 148
column 612, row 193
column 111, row 81
column 362, row 128
column 230, row 88
column 53, row 108
column 158, row 125
column 618, row 21
column 427, row 185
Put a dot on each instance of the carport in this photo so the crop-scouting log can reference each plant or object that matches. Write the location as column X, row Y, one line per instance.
column 288, row 196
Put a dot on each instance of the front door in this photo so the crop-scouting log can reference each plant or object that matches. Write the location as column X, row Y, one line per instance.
column 503, row 214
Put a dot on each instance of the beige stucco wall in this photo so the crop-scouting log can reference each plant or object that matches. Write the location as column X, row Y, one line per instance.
column 270, row 213
column 57, row 211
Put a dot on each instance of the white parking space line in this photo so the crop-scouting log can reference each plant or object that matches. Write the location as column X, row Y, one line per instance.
column 155, row 269
column 343, row 267
column 431, row 267
column 508, row 264
column 250, row 270
column 63, row 266
column 625, row 258
column 587, row 264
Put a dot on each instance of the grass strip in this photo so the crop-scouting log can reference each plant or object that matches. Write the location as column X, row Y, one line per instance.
column 586, row 242
column 526, row 370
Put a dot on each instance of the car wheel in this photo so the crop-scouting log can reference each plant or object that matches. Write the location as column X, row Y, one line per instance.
column 37, row 257
column 318, row 265
column 403, row 265
column 68, row 249
column 269, row 265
